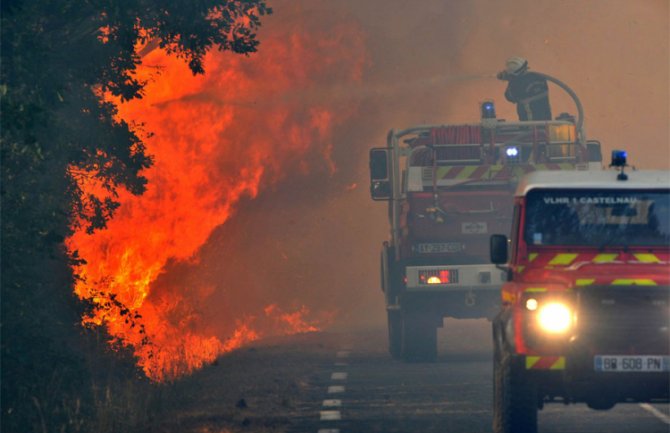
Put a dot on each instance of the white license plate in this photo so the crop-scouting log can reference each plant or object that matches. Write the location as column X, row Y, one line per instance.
column 448, row 247
column 631, row 363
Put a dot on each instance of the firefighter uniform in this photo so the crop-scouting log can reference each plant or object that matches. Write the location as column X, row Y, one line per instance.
column 530, row 93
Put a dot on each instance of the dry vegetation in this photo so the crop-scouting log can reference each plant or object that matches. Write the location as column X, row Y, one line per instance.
column 262, row 388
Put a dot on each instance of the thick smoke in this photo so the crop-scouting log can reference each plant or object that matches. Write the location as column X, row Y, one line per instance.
column 315, row 238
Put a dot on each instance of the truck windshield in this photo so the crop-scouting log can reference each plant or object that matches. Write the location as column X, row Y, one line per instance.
column 597, row 218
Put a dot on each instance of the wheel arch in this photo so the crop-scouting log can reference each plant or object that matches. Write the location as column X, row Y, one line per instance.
column 503, row 330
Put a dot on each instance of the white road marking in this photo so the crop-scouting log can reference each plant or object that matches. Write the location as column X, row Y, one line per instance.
column 335, row 415
column 330, row 415
column 657, row 413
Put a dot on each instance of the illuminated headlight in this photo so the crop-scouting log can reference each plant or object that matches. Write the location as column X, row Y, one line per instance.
column 554, row 317
column 531, row 304
column 512, row 152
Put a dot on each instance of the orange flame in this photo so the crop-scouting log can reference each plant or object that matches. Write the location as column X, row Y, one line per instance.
column 295, row 321
column 215, row 139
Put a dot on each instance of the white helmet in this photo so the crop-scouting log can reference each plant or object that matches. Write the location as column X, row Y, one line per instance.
column 516, row 65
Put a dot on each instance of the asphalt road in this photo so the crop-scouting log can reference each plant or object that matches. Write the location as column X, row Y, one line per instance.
column 363, row 390
column 343, row 381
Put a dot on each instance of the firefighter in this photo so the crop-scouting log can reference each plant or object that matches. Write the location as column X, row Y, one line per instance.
column 528, row 90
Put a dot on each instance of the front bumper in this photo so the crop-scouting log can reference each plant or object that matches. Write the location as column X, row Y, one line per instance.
column 573, row 381
column 618, row 351
column 463, row 303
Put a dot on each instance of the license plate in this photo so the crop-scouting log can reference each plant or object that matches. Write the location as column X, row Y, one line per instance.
column 448, row 247
column 631, row 363
column 474, row 228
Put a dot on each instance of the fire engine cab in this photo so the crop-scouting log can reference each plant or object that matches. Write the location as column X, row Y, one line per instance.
column 585, row 311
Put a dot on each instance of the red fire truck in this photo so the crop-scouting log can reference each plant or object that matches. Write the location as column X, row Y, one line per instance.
column 585, row 312
column 448, row 187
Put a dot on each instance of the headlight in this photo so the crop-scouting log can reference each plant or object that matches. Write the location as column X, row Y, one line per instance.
column 531, row 304
column 554, row 317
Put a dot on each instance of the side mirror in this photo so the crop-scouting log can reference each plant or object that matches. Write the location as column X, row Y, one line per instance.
column 498, row 249
column 380, row 184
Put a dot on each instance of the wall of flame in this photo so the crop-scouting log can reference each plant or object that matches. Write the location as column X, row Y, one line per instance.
column 215, row 140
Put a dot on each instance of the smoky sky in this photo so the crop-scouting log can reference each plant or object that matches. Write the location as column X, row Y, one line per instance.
column 313, row 238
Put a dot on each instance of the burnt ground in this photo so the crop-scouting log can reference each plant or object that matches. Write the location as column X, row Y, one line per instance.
column 281, row 385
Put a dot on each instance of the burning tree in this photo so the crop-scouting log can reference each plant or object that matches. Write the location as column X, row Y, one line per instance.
column 58, row 59
column 217, row 139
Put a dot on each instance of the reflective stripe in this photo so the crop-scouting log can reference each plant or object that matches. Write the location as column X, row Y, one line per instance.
column 634, row 282
column 493, row 171
column 646, row 258
column 545, row 362
column 535, row 289
column 561, row 166
column 520, row 268
column 559, row 364
column 531, row 361
column 585, row 281
column 442, row 172
column 604, row 258
column 532, row 256
column 455, row 172
column 563, row 259
column 466, row 172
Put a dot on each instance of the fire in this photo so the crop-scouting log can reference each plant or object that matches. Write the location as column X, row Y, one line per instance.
column 215, row 139
column 295, row 321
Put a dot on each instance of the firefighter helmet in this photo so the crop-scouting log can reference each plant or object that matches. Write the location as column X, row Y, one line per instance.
column 516, row 65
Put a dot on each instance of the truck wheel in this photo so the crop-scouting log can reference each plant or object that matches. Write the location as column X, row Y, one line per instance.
column 514, row 397
column 419, row 338
column 395, row 333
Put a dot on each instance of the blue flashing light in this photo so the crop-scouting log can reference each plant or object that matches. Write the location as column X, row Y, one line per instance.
column 619, row 161
column 619, row 158
column 488, row 110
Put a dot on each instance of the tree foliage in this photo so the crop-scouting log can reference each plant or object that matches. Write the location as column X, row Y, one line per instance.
column 58, row 58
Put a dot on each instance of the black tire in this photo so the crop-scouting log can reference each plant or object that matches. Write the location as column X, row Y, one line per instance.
column 514, row 396
column 419, row 337
column 395, row 333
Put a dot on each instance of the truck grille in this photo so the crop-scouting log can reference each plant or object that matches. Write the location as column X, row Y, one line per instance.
column 624, row 319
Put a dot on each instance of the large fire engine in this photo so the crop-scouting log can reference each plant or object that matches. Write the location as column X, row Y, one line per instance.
column 448, row 187
column 585, row 312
